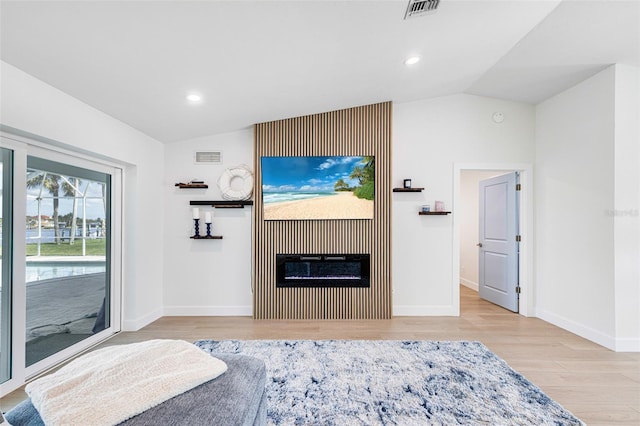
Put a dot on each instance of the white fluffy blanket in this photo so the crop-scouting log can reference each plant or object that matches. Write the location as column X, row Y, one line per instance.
column 110, row 385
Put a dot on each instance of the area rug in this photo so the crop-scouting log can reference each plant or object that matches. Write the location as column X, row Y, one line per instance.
column 359, row 382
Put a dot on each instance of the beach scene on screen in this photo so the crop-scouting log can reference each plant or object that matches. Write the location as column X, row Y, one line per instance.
column 309, row 188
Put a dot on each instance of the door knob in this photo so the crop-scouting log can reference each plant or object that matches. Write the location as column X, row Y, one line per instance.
column 479, row 244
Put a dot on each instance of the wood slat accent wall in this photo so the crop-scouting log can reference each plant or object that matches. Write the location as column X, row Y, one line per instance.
column 362, row 130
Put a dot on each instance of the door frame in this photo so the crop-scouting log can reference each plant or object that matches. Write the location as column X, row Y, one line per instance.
column 525, row 272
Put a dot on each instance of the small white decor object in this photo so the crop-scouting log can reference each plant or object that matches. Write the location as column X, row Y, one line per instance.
column 225, row 183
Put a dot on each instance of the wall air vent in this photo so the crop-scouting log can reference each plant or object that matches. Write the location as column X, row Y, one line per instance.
column 207, row 157
column 417, row 8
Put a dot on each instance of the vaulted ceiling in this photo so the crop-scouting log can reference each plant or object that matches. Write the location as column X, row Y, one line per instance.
column 255, row 61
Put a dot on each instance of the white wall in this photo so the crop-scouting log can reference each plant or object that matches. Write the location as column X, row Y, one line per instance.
column 468, row 214
column 213, row 277
column 32, row 106
column 626, row 209
column 586, row 184
column 429, row 136
column 574, row 188
column 206, row 277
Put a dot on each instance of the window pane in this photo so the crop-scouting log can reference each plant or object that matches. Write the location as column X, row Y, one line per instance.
column 6, row 234
column 67, row 237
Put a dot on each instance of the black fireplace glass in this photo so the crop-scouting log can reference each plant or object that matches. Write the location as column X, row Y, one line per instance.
column 323, row 270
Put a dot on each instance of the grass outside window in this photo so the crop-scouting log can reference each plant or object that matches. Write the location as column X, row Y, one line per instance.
column 93, row 248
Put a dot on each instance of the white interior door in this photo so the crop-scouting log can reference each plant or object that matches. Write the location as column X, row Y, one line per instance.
column 498, row 245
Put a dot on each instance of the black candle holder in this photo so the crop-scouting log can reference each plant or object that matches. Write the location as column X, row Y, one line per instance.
column 208, row 230
column 196, row 224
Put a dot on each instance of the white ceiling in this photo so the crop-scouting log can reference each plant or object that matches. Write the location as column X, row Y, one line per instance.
column 256, row 61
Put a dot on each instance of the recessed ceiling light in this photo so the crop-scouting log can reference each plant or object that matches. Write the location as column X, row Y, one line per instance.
column 194, row 97
column 412, row 60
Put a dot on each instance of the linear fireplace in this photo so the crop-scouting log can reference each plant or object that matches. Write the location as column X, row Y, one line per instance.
column 322, row 270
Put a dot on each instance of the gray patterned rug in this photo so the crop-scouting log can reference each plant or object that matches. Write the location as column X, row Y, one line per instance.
column 360, row 382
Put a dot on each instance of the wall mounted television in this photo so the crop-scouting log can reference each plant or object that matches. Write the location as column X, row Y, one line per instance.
column 316, row 188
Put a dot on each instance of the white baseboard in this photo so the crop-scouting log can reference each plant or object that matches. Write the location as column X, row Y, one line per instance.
column 138, row 323
column 627, row 345
column 424, row 311
column 470, row 284
column 581, row 330
column 204, row 311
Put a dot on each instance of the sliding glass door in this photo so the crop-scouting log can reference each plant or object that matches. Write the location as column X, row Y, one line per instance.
column 6, row 233
column 68, row 250
column 60, row 256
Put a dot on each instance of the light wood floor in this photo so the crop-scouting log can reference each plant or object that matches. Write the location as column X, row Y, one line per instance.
column 599, row 386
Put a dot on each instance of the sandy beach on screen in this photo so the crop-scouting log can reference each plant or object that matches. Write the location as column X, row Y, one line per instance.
column 344, row 205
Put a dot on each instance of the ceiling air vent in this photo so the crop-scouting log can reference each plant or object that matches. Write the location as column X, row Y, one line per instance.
column 420, row 7
column 207, row 157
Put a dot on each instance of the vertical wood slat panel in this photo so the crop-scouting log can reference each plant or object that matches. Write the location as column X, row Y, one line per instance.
column 356, row 131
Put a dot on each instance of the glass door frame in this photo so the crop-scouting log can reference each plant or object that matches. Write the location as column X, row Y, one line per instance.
column 7, row 264
column 18, row 292
column 22, row 148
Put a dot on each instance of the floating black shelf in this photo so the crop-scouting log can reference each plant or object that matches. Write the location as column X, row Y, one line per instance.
column 205, row 237
column 408, row 189
column 433, row 213
column 223, row 204
column 191, row 185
